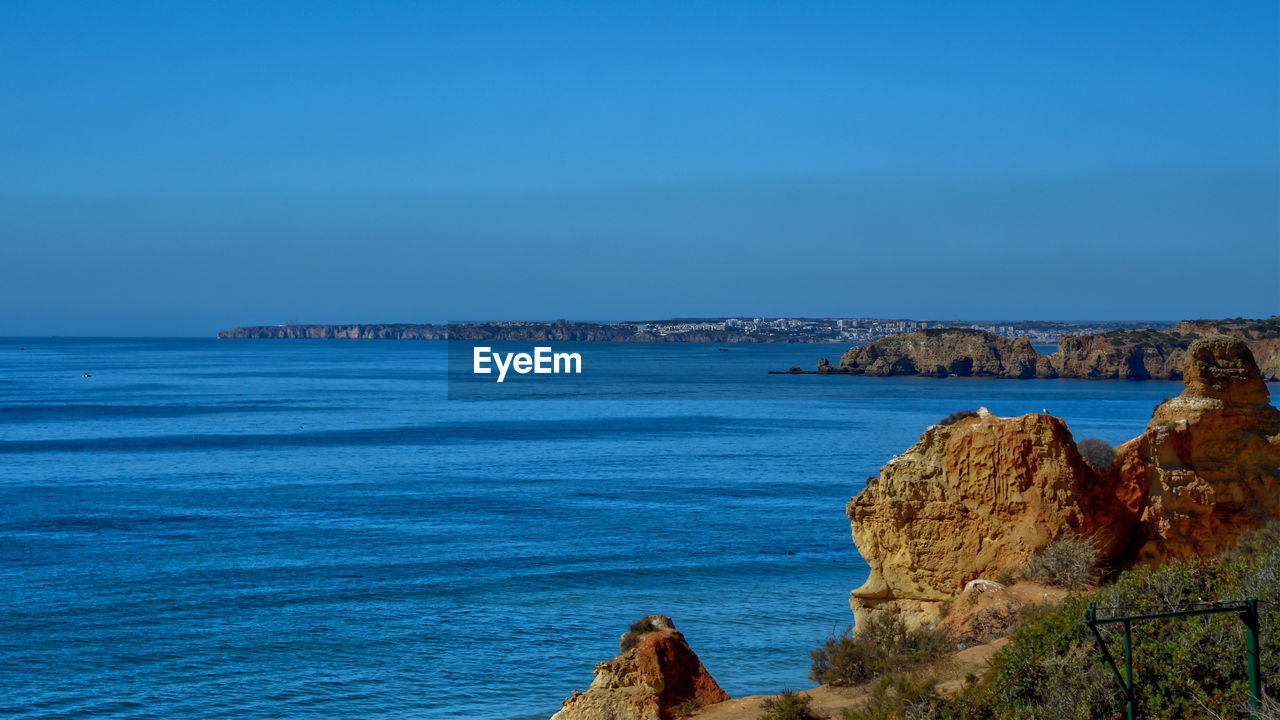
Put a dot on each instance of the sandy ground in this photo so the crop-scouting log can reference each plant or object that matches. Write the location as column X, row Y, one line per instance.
column 971, row 611
column 830, row 701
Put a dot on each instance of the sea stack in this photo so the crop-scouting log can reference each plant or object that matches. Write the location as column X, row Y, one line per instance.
column 942, row 352
column 655, row 672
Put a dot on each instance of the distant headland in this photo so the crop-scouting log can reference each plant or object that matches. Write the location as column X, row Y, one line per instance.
column 708, row 330
column 1123, row 354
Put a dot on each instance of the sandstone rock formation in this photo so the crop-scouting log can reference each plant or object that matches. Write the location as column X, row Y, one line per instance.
column 1121, row 355
column 1210, row 458
column 971, row 500
column 1262, row 337
column 978, row 498
column 1116, row 355
column 944, row 351
column 655, row 672
column 1161, row 355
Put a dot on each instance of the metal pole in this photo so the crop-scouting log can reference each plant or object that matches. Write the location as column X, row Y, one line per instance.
column 1253, row 656
column 1248, row 612
column 1131, row 709
column 1090, row 618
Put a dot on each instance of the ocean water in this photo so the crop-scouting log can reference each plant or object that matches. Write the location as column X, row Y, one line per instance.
column 312, row 529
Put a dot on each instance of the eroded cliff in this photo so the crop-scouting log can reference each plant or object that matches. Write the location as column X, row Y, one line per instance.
column 978, row 498
column 1116, row 355
column 942, row 352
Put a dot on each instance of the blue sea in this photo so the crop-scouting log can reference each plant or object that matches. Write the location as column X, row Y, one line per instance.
column 312, row 529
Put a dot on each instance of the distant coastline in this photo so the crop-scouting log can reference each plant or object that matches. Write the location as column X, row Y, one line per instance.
column 704, row 330
column 1125, row 354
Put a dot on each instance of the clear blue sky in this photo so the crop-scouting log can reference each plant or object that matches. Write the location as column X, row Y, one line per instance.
column 174, row 168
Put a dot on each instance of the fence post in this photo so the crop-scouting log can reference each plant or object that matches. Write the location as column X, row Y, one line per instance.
column 1131, row 709
column 1253, row 656
column 1247, row 610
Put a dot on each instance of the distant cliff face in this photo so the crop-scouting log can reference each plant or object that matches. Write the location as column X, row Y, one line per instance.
column 943, row 352
column 1121, row 355
column 1262, row 337
column 978, row 498
column 337, row 332
column 1117, row 355
column 1161, row 355
column 521, row 332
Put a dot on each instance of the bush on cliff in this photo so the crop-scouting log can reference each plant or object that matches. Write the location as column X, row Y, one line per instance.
column 882, row 645
column 787, row 706
column 895, row 696
column 1097, row 452
column 1187, row 667
column 1071, row 562
column 957, row 416
column 642, row 627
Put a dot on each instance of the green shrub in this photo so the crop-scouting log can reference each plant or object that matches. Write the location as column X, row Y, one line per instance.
column 1071, row 562
column 1051, row 667
column 897, row 697
column 642, row 627
column 788, row 706
column 882, row 645
column 1097, row 452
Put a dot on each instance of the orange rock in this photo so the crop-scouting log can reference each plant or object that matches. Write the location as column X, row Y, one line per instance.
column 655, row 672
column 1210, row 457
column 978, row 498
column 974, row 500
column 940, row 352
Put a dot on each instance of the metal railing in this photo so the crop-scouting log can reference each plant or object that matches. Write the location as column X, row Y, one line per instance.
column 1246, row 609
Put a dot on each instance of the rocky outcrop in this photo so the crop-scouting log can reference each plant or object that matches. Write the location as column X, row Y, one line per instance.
column 1262, row 337
column 1210, row 458
column 972, row 500
column 1161, row 354
column 976, row 499
column 1121, row 355
column 655, row 672
column 944, row 352
column 1115, row 355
